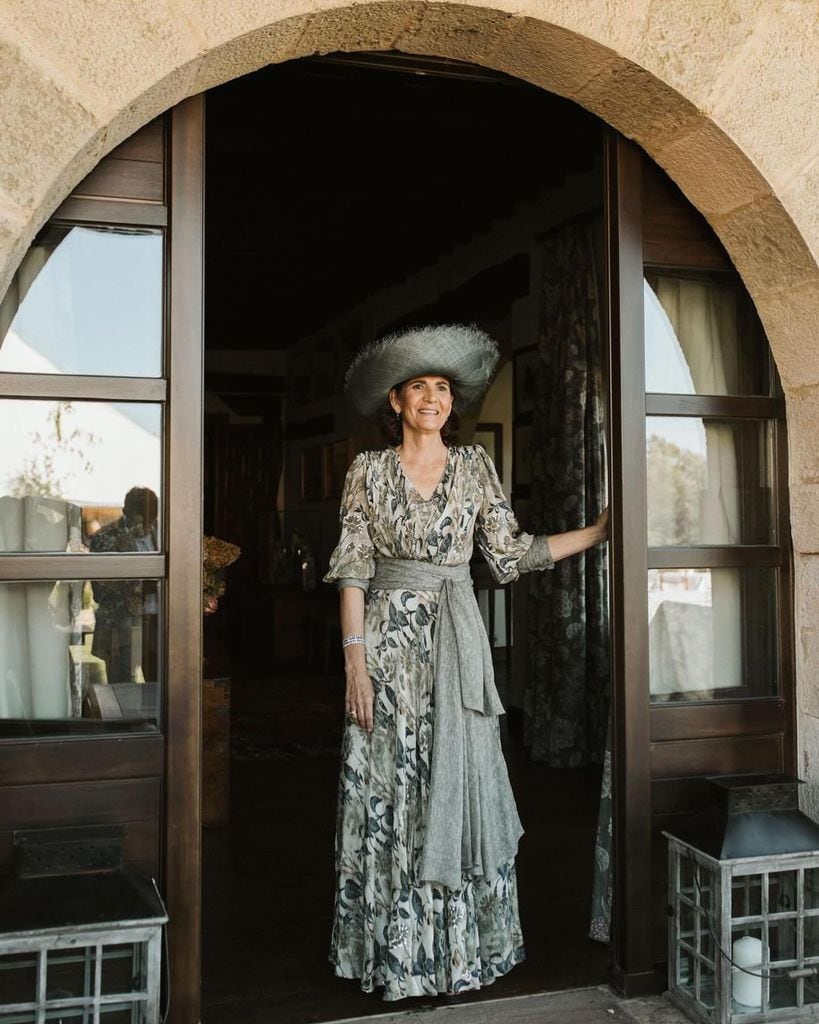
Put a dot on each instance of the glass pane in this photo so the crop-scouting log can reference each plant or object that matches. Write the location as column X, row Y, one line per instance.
column 67, row 470
column 70, row 973
column 811, row 939
column 782, row 892
column 121, row 970
column 746, row 896
column 709, row 481
column 81, row 651
column 685, row 971
column 783, row 993
column 712, row 633
column 782, row 939
column 687, row 914
column 702, row 337
column 811, row 887
column 86, row 300
column 707, row 985
column 18, row 978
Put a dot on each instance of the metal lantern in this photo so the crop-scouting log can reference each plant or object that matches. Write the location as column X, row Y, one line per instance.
column 743, row 883
column 80, row 936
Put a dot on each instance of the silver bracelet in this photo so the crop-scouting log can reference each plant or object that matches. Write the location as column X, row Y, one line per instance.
column 354, row 638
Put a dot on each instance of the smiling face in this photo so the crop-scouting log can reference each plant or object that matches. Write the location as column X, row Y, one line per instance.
column 423, row 402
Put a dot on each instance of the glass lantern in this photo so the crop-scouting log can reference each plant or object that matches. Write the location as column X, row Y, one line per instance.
column 743, row 883
column 80, row 935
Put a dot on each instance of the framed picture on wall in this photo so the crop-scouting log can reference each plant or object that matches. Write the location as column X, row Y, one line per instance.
column 490, row 436
column 522, row 459
column 525, row 370
column 311, row 473
column 337, row 456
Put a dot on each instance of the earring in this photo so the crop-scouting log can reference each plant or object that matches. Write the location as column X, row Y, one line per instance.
column 398, row 414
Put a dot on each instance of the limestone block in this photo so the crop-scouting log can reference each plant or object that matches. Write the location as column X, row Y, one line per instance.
column 110, row 50
column 807, row 661
column 791, row 320
column 808, row 764
column 800, row 197
column 804, row 503
column 13, row 241
column 245, row 54
column 162, row 95
column 641, row 107
column 803, row 436
column 551, row 57
column 806, row 590
column 712, row 171
column 365, row 26
column 765, row 245
column 42, row 124
column 765, row 98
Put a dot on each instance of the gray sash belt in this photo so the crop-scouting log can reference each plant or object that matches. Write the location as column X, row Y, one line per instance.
column 469, row 783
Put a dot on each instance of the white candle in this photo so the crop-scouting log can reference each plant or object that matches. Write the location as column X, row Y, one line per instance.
column 747, row 988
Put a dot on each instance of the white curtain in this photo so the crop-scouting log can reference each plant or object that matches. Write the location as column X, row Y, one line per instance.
column 703, row 317
column 37, row 619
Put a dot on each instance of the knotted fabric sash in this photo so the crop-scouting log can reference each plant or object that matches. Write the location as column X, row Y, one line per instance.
column 472, row 823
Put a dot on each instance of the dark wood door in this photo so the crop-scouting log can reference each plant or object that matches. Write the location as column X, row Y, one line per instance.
column 721, row 702
column 89, row 757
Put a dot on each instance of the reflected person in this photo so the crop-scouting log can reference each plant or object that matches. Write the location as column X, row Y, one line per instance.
column 125, row 636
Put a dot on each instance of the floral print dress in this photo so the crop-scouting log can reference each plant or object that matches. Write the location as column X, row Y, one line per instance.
column 390, row 929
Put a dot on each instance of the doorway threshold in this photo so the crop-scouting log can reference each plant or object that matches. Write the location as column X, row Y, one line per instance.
column 598, row 1005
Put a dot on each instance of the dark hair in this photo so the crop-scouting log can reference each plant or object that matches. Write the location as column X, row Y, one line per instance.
column 392, row 427
column 141, row 501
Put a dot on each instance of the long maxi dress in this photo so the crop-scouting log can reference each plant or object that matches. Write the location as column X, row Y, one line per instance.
column 391, row 929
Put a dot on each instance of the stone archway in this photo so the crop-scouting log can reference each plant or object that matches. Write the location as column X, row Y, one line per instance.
column 721, row 94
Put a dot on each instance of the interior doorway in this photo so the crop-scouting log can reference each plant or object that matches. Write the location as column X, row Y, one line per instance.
column 348, row 196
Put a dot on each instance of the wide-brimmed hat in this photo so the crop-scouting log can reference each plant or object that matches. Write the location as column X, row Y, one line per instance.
column 464, row 354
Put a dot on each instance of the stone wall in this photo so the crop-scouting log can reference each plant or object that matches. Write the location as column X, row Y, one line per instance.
column 721, row 93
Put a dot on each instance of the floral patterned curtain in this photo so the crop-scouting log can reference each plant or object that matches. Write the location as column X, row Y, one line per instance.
column 567, row 694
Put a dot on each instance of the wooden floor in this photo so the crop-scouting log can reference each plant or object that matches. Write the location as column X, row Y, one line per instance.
column 268, row 876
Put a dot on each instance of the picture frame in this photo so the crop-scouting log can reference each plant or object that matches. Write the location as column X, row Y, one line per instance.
column 525, row 373
column 522, row 459
column 490, row 436
column 311, row 474
column 336, row 459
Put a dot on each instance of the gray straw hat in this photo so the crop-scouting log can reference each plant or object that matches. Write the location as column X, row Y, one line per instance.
column 464, row 354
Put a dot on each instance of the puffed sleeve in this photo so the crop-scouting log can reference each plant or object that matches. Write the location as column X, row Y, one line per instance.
column 508, row 549
column 352, row 563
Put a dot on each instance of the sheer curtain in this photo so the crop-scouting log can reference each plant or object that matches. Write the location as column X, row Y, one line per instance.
column 702, row 316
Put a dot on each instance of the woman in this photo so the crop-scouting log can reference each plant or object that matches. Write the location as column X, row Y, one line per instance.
column 427, row 830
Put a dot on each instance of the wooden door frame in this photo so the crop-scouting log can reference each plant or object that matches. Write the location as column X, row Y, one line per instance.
column 183, row 730
column 633, row 961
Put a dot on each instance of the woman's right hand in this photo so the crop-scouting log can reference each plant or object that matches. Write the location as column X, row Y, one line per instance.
column 358, row 701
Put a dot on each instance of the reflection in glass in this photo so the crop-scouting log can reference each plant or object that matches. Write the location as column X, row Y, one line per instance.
column 712, row 633
column 709, row 481
column 65, row 469
column 80, row 649
column 86, row 300
column 702, row 337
